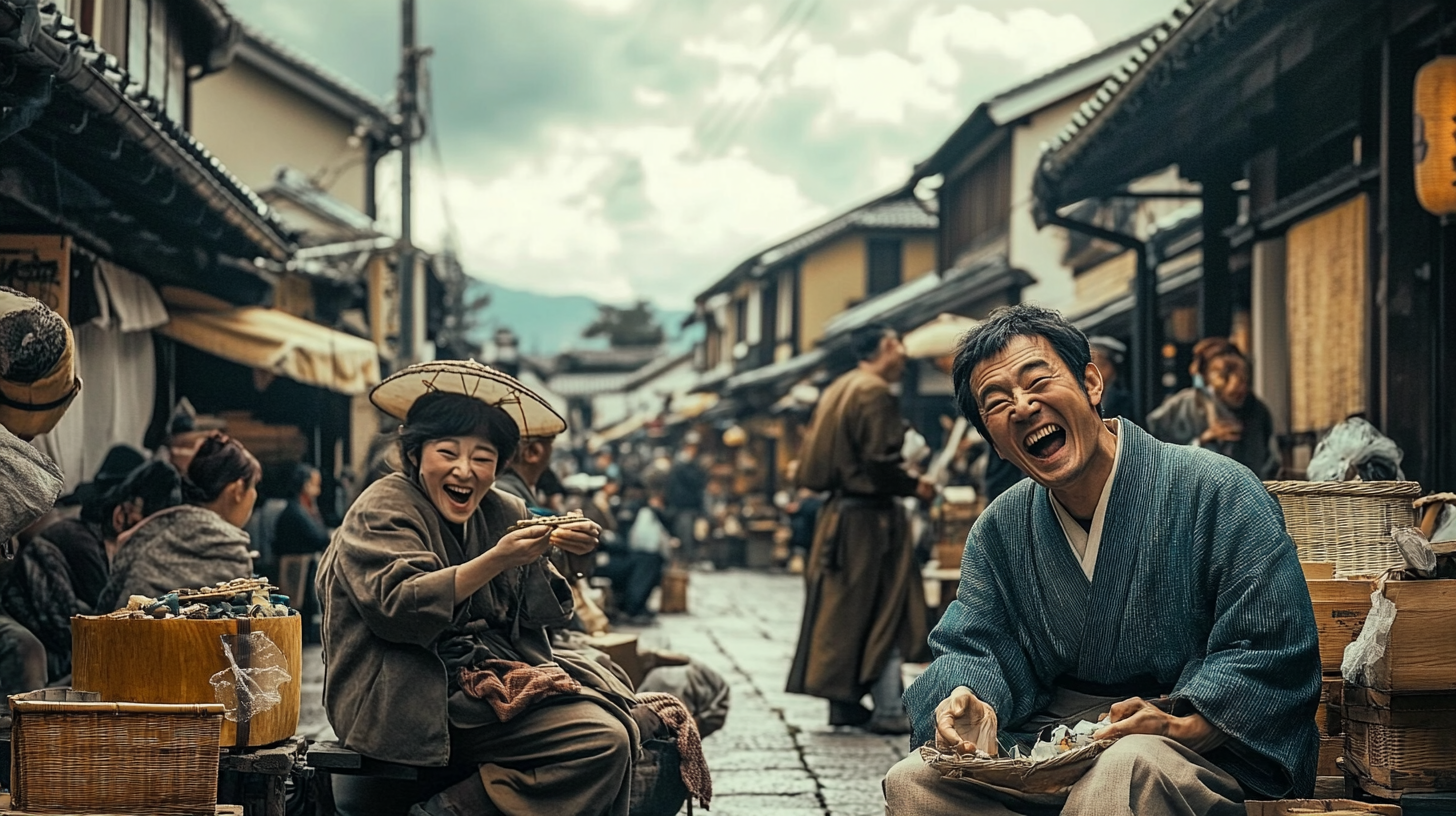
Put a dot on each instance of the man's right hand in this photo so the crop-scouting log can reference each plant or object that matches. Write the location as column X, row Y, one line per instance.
column 964, row 724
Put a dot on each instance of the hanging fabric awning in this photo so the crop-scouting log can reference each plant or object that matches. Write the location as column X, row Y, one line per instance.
column 281, row 344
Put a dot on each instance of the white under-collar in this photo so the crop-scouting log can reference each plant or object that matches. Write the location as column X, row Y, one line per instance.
column 1086, row 543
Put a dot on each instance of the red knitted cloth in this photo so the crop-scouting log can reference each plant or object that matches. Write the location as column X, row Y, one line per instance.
column 675, row 715
column 512, row 687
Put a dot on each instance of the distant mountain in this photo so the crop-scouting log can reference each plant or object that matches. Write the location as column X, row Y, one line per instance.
column 550, row 324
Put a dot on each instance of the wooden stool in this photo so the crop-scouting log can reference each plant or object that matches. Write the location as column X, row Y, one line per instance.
column 364, row 786
column 257, row 779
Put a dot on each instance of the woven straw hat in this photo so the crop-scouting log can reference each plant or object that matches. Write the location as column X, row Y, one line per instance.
column 37, row 367
column 939, row 337
column 533, row 415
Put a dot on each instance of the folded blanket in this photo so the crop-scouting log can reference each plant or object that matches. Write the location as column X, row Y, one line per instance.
column 510, row 687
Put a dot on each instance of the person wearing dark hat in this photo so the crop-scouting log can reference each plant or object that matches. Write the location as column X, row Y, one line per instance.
column 81, row 541
column 434, row 594
column 37, row 384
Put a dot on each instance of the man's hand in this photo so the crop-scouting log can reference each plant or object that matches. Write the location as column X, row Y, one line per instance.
column 964, row 724
column 1138, row 716
column 926, row 489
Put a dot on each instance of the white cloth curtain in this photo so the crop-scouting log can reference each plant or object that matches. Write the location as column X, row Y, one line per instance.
column 118, row 373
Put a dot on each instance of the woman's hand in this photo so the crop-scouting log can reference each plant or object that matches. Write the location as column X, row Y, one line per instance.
column 578, row 537
column 524, row 546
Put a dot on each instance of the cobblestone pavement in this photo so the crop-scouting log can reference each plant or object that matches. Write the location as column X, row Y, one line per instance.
column 776, row 756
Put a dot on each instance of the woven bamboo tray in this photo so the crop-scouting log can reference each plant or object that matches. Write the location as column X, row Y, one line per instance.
column 71, row 753
column 1046, row 782
column 1347, row 523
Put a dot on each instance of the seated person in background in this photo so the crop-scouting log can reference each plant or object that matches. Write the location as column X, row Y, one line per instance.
column 634, row 561
column 47, row 587
column 1222, row 414
column 1123, row 570
column 196, row 544
column 428, row 592
column 300, row 530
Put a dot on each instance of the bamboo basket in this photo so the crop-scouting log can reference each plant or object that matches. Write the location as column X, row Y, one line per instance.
column 71, row 753
column 1347, row 523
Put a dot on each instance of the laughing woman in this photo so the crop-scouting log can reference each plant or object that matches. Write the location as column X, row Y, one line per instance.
column 424, row 578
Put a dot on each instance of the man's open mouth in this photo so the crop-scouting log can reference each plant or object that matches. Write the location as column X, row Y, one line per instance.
column 460, row 495
column 1045, row 441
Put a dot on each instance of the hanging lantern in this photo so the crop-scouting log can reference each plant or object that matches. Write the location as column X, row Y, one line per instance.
column 1435, row 135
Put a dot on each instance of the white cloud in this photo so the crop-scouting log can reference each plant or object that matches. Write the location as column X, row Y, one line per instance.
column 875, row 87
column 1033, row 38
column 544, row 224
column 649, row 97
column 605, row 6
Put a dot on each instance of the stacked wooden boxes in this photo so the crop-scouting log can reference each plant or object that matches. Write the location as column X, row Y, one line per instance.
column 1400, row 723
column 1340, row 608
column 957, row 512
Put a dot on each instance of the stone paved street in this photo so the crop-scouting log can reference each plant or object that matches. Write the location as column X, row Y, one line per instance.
column 776, row 756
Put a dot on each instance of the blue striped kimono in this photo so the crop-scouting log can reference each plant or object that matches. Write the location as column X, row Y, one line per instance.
column 1197, row 586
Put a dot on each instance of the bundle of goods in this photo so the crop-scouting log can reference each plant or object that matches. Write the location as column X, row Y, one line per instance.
column 1399, row 715
column 73, row 753
column 233, row 644
column 1042, row 774
column 239, row 598
column 957, row 511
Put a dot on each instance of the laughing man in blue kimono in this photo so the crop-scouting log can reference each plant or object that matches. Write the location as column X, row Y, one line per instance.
column 1149, row 582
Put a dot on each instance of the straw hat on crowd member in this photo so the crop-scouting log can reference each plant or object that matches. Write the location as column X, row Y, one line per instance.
column 533, row 415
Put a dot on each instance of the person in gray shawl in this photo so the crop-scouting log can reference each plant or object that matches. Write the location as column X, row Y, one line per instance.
column 1150, row 582
column 195, row 544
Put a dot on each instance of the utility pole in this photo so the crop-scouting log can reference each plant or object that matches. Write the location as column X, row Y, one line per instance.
column 409, row 78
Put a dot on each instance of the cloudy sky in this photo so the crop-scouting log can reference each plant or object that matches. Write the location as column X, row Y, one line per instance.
column 641, row 148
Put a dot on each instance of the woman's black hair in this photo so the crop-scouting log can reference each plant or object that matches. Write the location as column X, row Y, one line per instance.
column 440, row 414
column 156, row 483
column 302, row 473
column 220, row 460
column 995, row 334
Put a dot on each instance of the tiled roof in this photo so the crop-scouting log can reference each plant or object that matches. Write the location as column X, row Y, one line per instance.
column 1170, row 48
column 915, row 302
column 897, row 211
column 82, row 66
column 589, row 384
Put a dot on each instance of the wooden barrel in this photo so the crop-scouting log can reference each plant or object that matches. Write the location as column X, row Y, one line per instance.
column 173, row 661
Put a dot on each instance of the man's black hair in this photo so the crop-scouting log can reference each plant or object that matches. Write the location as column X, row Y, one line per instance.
column 864, row 342
column 440, row 414
column 300, row 477
column 995, row 334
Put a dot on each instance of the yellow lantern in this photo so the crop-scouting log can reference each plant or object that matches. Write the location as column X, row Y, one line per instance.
column 1435, row 135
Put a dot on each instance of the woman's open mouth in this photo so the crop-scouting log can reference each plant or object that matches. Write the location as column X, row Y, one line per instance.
column 459, row 495
column 1044, row 442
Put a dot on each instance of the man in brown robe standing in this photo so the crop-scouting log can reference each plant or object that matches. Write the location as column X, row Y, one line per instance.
column 865, row 607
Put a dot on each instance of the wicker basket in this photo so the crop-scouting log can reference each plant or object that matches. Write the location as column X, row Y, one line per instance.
column 70, row 753
column 1347, row 523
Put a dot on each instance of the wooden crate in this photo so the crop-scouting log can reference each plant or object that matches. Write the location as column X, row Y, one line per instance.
column 1330, row 807
column 1422, row 651
column 674, row 597
column 173, row 661
column 1400, row 742
column 1340, row 609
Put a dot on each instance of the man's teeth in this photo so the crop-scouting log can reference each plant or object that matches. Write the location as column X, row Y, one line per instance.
column 1043, row 433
